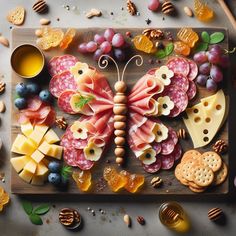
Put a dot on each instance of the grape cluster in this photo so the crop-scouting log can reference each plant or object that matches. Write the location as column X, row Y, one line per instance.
column 210, row 65
column 110, row 43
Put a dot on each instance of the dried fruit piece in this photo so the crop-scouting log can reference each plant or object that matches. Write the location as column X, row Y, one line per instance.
column 82, row 179
column 4, row 198
column 202, row 11
column 68, row 38
column 16, row 16
column 188, row 36
column 143, row 43
column 181, row 48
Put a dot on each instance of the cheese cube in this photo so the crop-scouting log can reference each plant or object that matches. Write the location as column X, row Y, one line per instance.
column 19, row 163
column 38, row 180
column 41, row 169
column 45, row 162
column 44, row 148
column 37, row 135
column 27, row 129
column 26, row 175
column 55, row 151
column 37, row 156
column 51, row 137
column 22, row 145
column 31, row 166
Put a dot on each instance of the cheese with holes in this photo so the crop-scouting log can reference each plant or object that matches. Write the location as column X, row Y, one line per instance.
column 41, row 169
column 51, row 137
column 37, row 156
column 26, row 175
column 205, row 119
column 55, row 151
column 37, row 135
column 27, row 129
column 19, row 163
column 31, row 166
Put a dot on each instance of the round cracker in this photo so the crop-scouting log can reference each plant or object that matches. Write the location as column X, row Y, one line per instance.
column 212, row 160
column 221, row 174
column 197, row 190
column 191, row 154
column 203, row 176
column 193, row 185
column 178, row 174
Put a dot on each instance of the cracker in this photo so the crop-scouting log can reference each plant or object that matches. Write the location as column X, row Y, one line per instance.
column 191, row 154
column 187, row 170
column 212, row 160
column 221, row 175
column 203, row 176
column 178, row 175
column 197, row 190
column 16, row 16
column 193, row 185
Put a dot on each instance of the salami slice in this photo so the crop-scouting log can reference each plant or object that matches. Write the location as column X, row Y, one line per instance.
column 157, row 147
column 179, row 65
column 79, row 143
column 64, row 101
column 167, row 146
column 193, row 70
column 180, row 81
column 179, row 97
column 177, row 153
column 61, row 82
column 192, row 90
column 154, row 167
column 52, row 66
column 173, row 135
column 167, row 162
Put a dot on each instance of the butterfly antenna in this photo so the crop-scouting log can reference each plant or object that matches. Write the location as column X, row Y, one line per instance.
column 103, row 63
column 138, row 62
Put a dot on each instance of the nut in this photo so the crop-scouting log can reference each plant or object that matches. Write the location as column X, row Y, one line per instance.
column 167, row 7
column 131, row 8
column 2, row 87
column 4, row 41
column 141, row 220
column 44, row 21
column 93, row 12
column 61, row 122
column 66, row 216
column 127, row 220
column 215, row 213
column 2, row 107
column 188, row 11
column 153, row 33
column 38, row 32
column 220, row 146
column 156, row 182
column 181, row 133
column 40, row 6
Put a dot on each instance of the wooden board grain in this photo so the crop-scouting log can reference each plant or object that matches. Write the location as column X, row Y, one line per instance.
column 171, row 186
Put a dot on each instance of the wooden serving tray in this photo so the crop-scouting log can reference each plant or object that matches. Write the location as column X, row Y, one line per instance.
column 171, row 185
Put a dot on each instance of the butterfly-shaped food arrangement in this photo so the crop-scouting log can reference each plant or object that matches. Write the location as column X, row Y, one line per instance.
column 133, row 118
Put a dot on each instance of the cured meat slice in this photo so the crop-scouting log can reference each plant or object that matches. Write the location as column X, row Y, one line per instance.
column 179, row 65
column 179, row 97
column 52, row 66
column 180, row 81
column 157, row 147
column 167, row 161
column 192, row 90
column 167, row 146
column 173, row 135
column 193, row 70
column 154, row 167
column 177, row 153
column 34, row 103
column 61, row 82
column 64, row 101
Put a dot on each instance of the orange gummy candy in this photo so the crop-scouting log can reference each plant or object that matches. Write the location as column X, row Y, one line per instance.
column 202, row 11
column 134, row 181
column 181, row 48
column 115, row 180
column 143, row 43
column 69, row 36
column 188, row 36
column 82, row 179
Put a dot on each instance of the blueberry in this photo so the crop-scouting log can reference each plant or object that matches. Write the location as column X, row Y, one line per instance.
column 20, row 103
column 45, row 96
column 33, row 88
column 54, row 167
column 54, row 178
column 21, row 90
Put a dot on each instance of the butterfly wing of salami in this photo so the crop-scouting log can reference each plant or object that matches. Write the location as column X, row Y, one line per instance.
column 163, row 91
column 81, row 89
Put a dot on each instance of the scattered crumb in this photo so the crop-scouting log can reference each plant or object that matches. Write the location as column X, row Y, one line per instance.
column 148, row 21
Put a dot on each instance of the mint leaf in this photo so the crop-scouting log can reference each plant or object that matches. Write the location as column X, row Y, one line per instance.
column 42, row 209
column 35, row 219
column 160, row 54
column 201, row 47
column 27, row 206
column 216, row 37
column 169, row 49
column 205, row 37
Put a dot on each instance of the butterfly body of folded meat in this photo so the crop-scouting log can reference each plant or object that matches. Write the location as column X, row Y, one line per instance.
column 81, row 89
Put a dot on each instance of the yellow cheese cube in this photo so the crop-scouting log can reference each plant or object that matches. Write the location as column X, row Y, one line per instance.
column 37, row 156
column 37, row 135
column 55, row 151
column 27, row 129
column 41, row 169
column 31, row 166
column 26, row 175
column 19, row 162
column 51, row 137
column 22, row 145
column 38, row 180
column 44, row 148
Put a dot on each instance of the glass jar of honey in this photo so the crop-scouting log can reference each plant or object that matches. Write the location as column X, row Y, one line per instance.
column 173, row 216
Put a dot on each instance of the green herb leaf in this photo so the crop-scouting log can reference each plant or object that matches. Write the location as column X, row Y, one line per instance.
column 201, row 47
column 216, row 37
column 35, row 219
column 83, row 101
column 27, row 206
column 169, row 48
column 42, row 209
column 160, row 54
column 66, row 171
column 205, row 37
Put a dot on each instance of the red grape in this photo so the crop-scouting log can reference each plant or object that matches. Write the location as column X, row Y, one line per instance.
column 205, row 68
column 118, row 40
column 91, row 46
column 217, row 49
column 211, row 85
column 82, row 48
column 97, row 54
column 106, row 47
column 213, row 57
column 153, row 5
column 108, row 34
column 216, row 74
column 200, row 57
column 99, row 39
column 202, row 79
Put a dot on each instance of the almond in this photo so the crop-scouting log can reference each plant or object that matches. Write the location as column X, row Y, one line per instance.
column 93, row 12
column 38, row 32
column 127, row 220
column 2, row 106
column 4, row 41
column 44, row 21
column 188, row 11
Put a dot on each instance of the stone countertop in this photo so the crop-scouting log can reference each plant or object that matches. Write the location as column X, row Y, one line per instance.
column 13, row 221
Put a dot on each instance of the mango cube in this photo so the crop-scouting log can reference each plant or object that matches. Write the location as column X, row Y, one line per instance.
column 37, row 135
column 26, row 175
column 44, row 148
column 51, row 137
column 37, row 156
column 31, row 166
column 27, row 129
column 41, row 169
column 19, row 163
column 55, row 151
